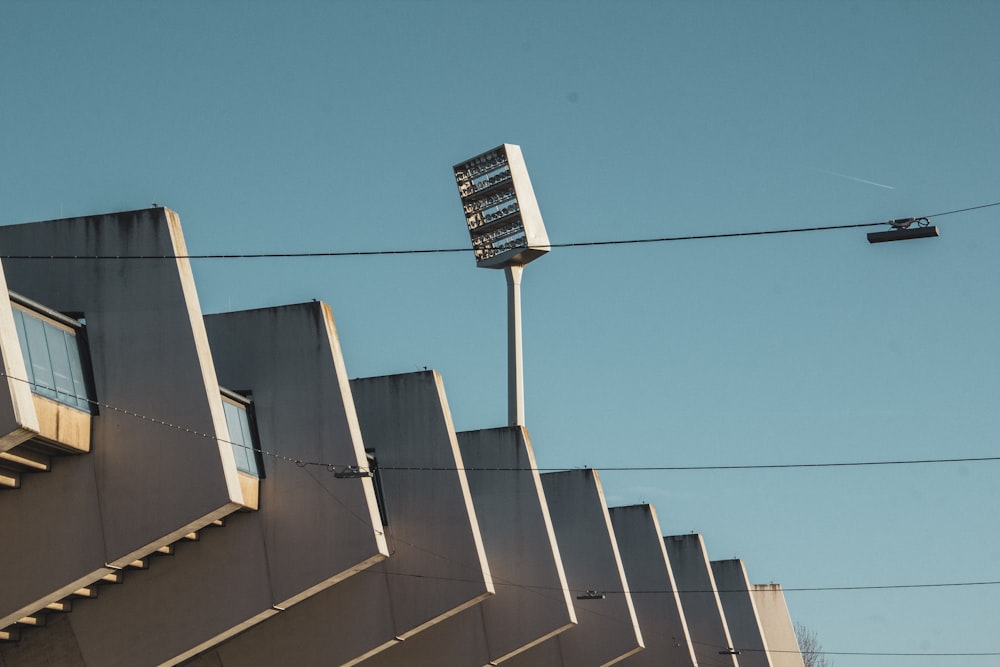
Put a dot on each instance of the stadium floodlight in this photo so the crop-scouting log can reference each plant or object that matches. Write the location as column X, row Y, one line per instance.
column 500, row 208
column 507, row 232
column 902, row 229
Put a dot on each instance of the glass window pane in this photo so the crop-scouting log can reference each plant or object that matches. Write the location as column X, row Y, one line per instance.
column 38, row 350
column 236, row 436
column 55, row 339
column 249, row 440
column 22, row 337
column 76, row 371
column 52, row 360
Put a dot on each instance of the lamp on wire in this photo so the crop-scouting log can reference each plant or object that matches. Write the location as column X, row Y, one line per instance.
column 590, row 595
column 351, row 472
column 903, row 229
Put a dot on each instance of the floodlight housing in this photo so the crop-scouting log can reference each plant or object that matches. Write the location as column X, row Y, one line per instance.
column 501, row 211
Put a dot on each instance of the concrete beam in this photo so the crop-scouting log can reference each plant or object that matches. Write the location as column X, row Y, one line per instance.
column 18, row 418
column 700, row 599
column 312, row 530
column 778, row 629
column 151, row 360
column 657, row 603
column 607, row 631
column 741, row 612
column 437, row 566
column 532, row 602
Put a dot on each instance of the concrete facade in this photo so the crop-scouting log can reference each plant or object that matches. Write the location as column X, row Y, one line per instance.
column 143, row 322
column 255, row 566
column 651, row 578
column 437, row 565
column 532, row 601
column 376, row 535
column 702, row 606
column 607, row 631
column 778, row 629
column 741, row 612
column 18, row 417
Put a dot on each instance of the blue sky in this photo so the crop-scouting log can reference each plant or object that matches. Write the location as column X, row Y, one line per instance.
column 302, row 126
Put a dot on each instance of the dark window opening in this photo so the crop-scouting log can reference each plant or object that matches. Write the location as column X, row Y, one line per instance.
column 376, row 477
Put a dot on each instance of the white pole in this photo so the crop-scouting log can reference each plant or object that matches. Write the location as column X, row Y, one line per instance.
column 515, row 361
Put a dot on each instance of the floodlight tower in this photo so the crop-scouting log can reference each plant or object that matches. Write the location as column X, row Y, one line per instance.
column 507, row 232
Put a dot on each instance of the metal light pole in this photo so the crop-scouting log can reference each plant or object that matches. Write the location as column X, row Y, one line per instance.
column 515, row 353
column 507, row 232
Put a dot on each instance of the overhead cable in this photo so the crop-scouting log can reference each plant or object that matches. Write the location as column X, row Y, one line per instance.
column 353, row 467
column 427, row 251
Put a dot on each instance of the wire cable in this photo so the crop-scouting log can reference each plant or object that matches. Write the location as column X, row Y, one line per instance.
column 333, row 467
column 683, row 591
column 427, row 251
column 761, row 466
column 741, row 649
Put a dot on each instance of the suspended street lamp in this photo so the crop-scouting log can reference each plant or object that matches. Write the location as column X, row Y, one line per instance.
column 903, row 229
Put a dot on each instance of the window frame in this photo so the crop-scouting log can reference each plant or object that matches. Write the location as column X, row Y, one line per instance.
column 243, row 400
column 77, row 330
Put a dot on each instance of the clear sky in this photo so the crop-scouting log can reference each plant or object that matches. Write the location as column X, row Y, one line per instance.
column 304, row 126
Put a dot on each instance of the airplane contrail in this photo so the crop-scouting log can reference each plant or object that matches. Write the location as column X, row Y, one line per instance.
column 855, row 178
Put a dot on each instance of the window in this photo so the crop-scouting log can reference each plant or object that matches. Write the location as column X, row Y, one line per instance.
column 242, row 432
column 54, row 353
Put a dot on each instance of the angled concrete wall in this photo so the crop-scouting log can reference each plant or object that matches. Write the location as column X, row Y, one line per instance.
column 700, row 599
column 291, row 360
column 18, row 419
column 741, row 612
column 437, row 565
column 650, row 577
column 532, row 602
column 778, row 629
column 146, row 482
column 311, row 531
column 607, row 631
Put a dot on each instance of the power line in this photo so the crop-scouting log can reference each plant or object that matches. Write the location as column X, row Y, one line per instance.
column 428, row 251
column 858, row 653
column 622, row 591
column 670, row 591
column 762, row 466
column 876, row 587
column 334, row 467
column 873, row 653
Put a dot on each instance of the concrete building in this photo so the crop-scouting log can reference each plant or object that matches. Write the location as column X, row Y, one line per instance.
column 288, row 361
column 229, row 497
column 108, row 497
